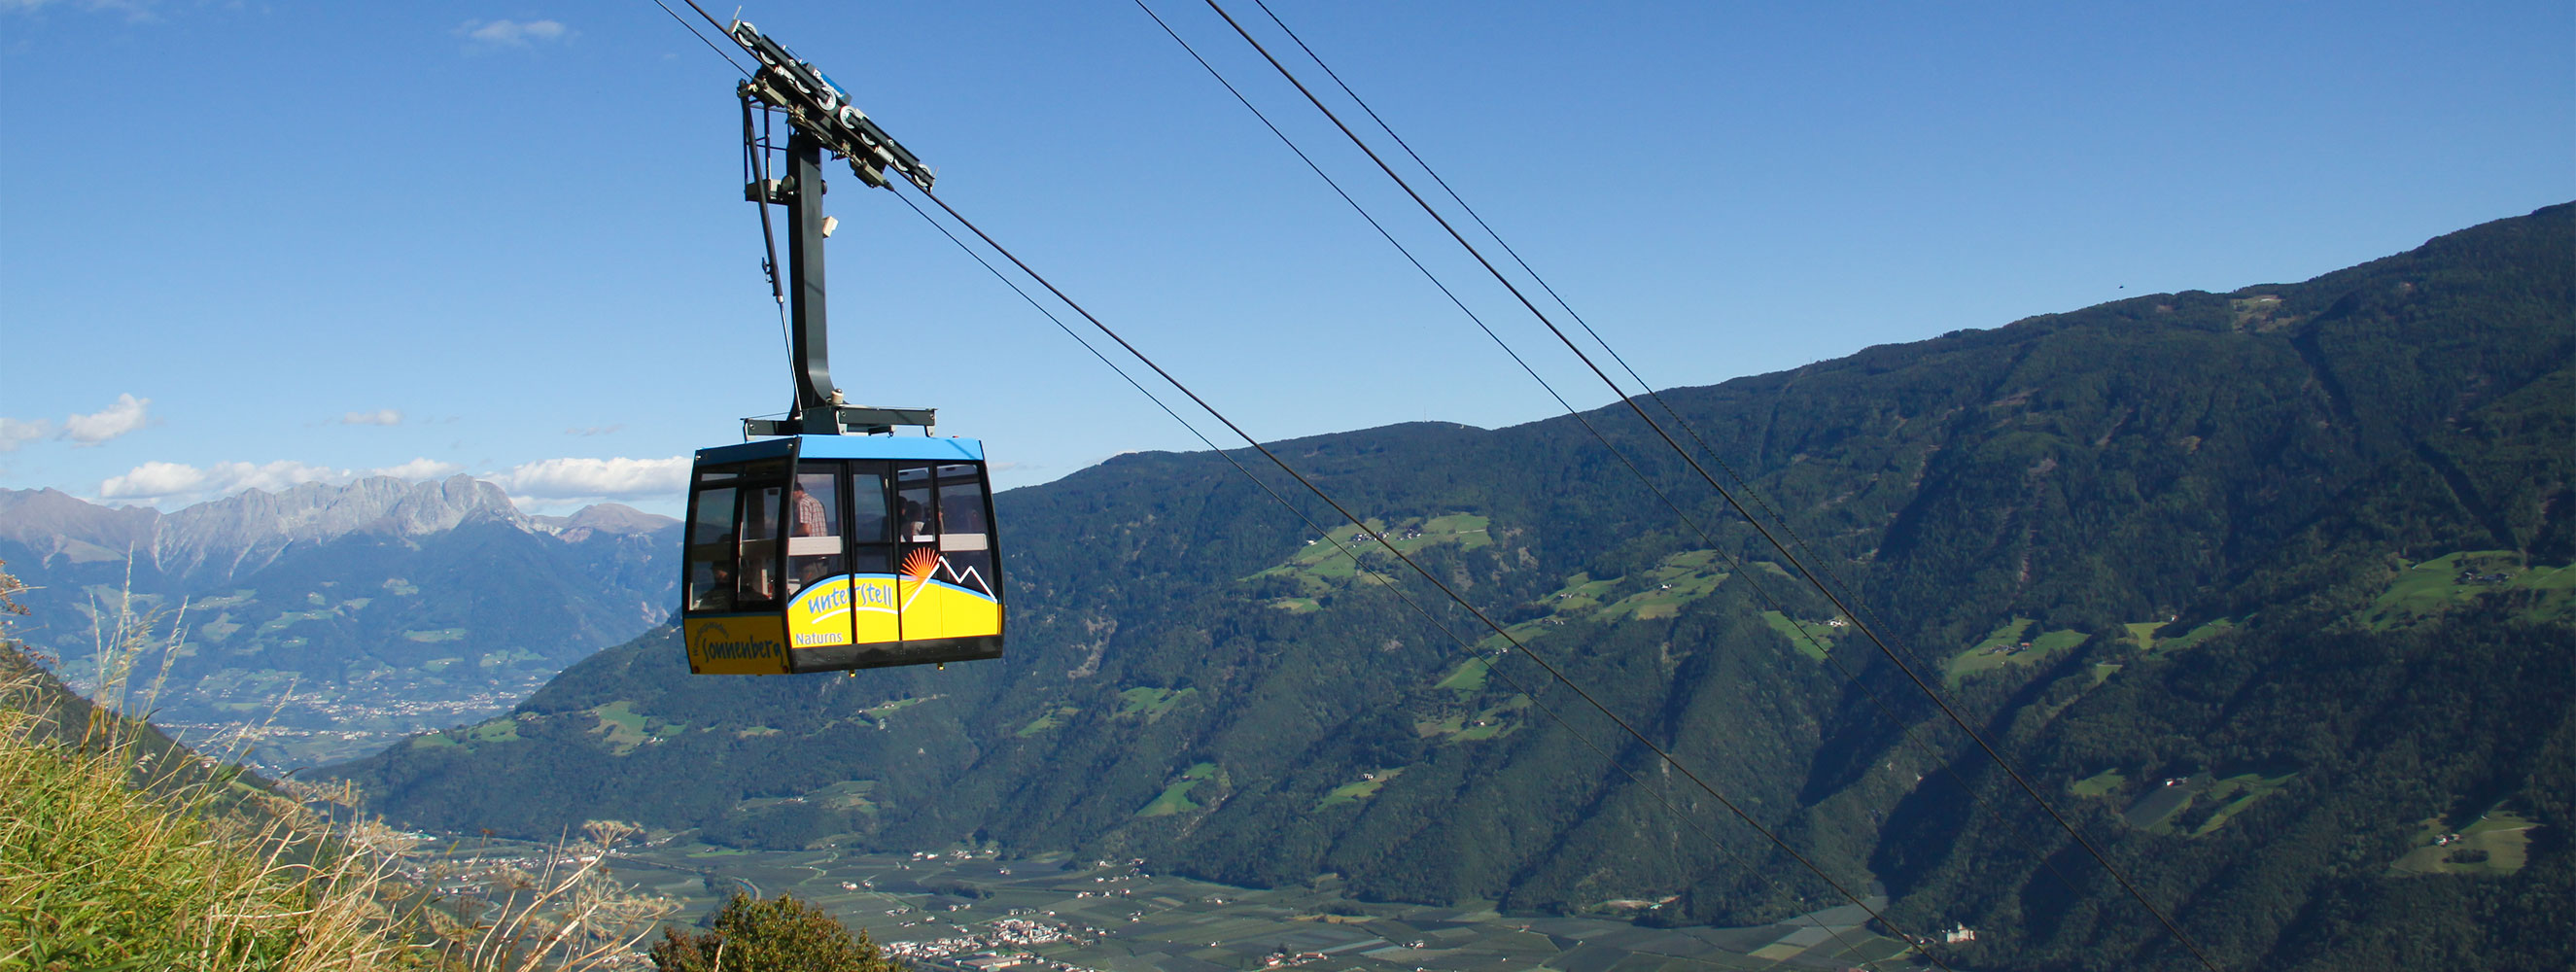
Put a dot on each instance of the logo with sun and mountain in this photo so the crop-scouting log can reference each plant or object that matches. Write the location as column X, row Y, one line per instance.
column 927, row 598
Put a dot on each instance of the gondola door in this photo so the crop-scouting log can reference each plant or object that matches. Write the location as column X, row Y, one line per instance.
column 948, row 581
column 730, row 597
column 819, row 616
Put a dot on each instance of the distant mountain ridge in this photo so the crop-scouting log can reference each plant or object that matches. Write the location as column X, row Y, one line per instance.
column 616, row 518
column 375, row 607
column 246, row 531
column 2270, row 591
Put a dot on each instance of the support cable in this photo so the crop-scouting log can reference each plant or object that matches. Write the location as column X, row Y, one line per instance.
column 1810, row 575
column 702, row 38
column 1898, row 722
column 1734, row 564
column 710, row 19
column 1553, row 671
column 1622, row 360
column 1392, row 241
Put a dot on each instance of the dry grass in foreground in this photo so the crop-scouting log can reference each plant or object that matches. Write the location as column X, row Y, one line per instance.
column 119, row 850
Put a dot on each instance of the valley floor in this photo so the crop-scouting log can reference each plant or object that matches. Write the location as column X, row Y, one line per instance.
column 957, row 911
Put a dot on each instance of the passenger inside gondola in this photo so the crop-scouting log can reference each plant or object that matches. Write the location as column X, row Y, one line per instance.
column 717, row 592
column 814, row 548
column 913, row 518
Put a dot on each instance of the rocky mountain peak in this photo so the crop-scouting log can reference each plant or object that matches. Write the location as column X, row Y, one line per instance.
column 251, row 527
column 610, row 518
column 49, row 519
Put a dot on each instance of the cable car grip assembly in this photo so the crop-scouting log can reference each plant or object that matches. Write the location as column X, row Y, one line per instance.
column 820, row 119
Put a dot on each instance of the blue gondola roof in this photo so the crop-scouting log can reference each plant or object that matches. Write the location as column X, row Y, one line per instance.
column 851, row 447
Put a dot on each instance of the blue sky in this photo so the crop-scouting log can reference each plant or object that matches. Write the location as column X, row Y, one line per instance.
column 247, row 244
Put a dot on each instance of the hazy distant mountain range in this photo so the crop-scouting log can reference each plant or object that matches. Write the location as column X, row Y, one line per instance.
column 338, row 616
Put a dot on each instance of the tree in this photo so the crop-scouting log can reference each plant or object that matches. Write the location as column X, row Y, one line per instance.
column 777, row 935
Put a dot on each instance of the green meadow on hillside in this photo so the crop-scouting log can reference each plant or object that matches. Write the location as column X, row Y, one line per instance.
column 1366, row 787
column 2012, row 643
column 1323, row 566
column 2476, row 580
column 1175, row 798
column 2497, row 843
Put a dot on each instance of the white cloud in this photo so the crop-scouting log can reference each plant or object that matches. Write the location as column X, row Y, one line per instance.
column 382, row 416
column 15, row 432
column 511, row 33
column 419, row 469
column 125, row 416
column 575, row 478
column 159, row 481
column 153, row 480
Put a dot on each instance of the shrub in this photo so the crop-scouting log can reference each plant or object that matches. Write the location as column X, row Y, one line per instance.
column 780, row 934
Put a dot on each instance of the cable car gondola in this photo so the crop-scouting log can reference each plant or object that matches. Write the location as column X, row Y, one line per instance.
column 825, row 541
column 826, row 552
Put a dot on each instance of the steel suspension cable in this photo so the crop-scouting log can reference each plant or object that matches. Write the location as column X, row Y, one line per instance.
column 1735, row 566
column 1407, row 252
column 1687, row 428
column 702, row 38
column 1768, row 535
column 1895, row 720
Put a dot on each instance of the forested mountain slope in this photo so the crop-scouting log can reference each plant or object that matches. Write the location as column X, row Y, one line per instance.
column 2266, row 590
